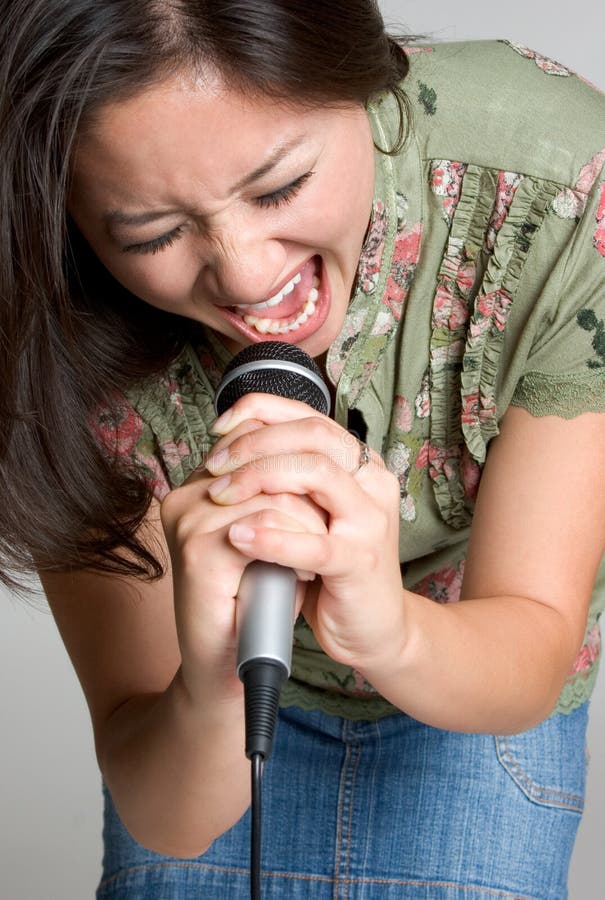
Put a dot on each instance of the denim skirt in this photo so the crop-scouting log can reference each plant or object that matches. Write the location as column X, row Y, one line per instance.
column 387, row 809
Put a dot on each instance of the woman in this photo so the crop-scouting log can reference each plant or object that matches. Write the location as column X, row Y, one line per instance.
column 196, row 180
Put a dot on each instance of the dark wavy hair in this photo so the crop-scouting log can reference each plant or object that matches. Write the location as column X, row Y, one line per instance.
column 70, row 335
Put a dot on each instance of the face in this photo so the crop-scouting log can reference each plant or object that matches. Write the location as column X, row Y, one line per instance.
column 241, row 213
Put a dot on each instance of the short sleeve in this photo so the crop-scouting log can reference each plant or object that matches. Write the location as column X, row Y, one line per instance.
column 160, row 429
column 564, row 373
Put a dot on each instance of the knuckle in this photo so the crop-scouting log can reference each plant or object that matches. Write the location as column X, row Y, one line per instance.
column 242, row 448
column 391, row 483
column 323, row 555
column 191, row 551
column 269, row 518
column 170, row 509
column 183, row 529
column 322, row 465
column 315, row 428
column 369, row 558
column 285, row 502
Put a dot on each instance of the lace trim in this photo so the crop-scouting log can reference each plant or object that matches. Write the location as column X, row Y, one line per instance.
column 577, row 690
column 295, row 693
column 567, row 396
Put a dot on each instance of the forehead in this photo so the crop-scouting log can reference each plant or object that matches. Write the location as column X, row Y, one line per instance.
column 183, row 128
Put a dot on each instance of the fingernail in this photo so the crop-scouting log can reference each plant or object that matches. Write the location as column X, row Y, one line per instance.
column 215, row 461
column 304, row 575
column 220, row 425
column 217, row 487
column 242, row 534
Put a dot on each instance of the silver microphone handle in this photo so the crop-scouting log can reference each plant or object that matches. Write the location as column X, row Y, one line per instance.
column 266, row 606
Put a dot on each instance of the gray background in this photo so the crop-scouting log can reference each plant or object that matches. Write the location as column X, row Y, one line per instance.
column 50, row 819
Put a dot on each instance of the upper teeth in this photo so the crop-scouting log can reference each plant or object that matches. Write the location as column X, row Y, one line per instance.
column 283, row 326
column 277, row 298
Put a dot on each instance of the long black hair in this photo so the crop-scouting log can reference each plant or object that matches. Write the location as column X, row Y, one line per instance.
column 71, row 337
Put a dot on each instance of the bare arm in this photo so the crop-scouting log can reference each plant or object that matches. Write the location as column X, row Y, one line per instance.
column 498, row 661
column 494, row 662
column 174, row 765
column 157, row 665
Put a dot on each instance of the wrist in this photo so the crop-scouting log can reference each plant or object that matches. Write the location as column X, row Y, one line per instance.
column 388, row 670
column 208, row 698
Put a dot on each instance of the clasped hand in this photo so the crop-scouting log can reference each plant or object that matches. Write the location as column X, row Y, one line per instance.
column 271, row 446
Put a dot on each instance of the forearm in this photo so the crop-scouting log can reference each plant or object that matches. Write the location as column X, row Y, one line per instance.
column 495, row 665
column 178, row 774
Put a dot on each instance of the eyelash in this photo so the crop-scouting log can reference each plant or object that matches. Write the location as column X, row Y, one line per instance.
column 283, row 195
column 268, row 201
column 157, row 244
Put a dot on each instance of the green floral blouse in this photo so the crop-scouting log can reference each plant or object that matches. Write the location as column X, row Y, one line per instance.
column 481, row 284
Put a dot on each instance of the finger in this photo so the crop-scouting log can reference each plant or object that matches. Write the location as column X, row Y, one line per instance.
column 276, row 521
column 244, row 427
column 268, row 408
column 305, row 553
column 305, row 435
column 328, row 485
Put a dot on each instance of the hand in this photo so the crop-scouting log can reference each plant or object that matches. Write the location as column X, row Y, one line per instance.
column 272, row 445
column 207, row 569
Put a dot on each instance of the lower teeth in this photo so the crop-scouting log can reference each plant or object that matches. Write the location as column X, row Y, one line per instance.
column 274, row 326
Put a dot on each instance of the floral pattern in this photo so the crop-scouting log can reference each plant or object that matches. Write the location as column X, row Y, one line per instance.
column 588, row 320
column 508, row 182
column 444, row 414
column 549, row 66
column 397, row 283
column 445, row 180
column 403, row 266
column 120, row 431
column 589, row 653
column 370, row 261
column 570, row 203
column 407, row 458
column 599, row 235
column 442, row 586
column 427, row 98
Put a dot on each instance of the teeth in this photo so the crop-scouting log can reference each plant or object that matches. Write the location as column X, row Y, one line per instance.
column 274, row 326
column 277, row 298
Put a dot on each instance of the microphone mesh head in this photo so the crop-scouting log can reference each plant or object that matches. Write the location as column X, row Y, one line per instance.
column 260, row 376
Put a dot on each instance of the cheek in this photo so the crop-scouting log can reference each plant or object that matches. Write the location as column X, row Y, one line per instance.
column 165, row 279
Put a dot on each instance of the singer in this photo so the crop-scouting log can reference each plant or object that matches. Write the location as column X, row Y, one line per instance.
column 181, row 180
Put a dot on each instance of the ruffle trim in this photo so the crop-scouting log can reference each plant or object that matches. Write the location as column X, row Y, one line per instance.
column 470, row 314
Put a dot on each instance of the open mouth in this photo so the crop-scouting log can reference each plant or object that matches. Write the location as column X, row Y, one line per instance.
column 297, row 310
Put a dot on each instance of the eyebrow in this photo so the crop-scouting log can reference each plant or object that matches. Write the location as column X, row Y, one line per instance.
column 118, row 217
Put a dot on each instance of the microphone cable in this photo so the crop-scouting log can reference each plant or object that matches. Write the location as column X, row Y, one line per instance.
column 262, row 680
column 256, row 771
column 267, row 593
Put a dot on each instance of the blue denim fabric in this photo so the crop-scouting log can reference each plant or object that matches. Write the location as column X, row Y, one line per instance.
column 387, row 809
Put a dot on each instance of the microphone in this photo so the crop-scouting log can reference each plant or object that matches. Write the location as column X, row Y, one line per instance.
column 267, row 591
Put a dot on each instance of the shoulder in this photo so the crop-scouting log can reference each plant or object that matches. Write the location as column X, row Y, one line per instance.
column 161, row 426
column 500, row 105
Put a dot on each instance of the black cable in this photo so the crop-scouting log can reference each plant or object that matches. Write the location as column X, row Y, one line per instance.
column 256, row 770
column 263, row 680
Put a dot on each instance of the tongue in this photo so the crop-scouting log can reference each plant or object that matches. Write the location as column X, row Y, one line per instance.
column 291, row 304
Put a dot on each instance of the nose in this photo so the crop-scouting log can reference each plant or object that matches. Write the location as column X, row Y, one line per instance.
column 243, row 265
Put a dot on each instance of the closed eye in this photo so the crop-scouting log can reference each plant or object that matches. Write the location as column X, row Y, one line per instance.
column 283, row 195
column 267, row 201
column 157, row 244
